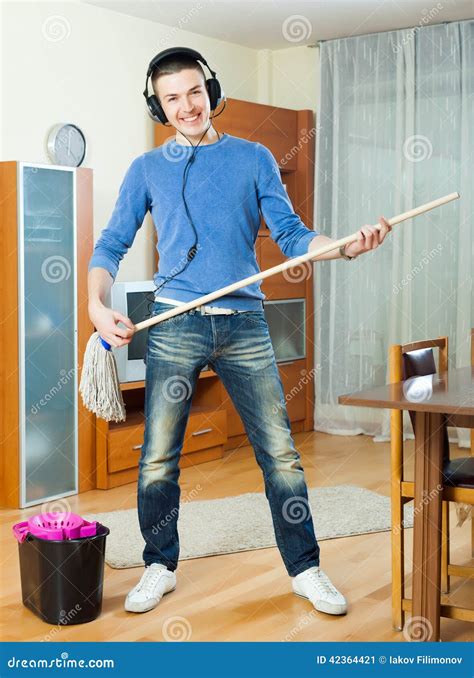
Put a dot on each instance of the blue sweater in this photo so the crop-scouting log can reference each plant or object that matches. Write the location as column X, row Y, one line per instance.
column 229, row 183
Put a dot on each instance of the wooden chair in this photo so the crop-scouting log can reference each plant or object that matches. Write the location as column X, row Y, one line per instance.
column 405, row 361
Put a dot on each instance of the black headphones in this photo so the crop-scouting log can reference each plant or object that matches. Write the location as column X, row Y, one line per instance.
column 156, row 112
column 214, row 90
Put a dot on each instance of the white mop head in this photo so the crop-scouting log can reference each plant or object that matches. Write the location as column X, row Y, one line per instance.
column 100, row 387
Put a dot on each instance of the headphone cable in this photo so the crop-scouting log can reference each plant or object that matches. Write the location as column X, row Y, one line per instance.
column 194, row 247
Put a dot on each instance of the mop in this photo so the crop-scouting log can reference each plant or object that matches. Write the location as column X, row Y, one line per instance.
column 100, row 386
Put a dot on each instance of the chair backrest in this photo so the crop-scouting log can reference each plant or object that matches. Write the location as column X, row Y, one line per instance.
column 419, row 350
column 418, row 363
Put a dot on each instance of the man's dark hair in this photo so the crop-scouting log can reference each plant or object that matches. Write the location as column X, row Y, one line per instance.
column 175, row 64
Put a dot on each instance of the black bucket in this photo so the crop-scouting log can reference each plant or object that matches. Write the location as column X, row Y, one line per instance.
column 62, row 580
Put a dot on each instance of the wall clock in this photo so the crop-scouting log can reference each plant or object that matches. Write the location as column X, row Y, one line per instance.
column 66, row 145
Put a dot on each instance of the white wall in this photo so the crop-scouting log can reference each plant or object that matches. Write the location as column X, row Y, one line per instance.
column 295, row 78
column 73, row 62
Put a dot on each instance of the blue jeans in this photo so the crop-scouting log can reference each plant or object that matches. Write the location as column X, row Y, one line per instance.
column 239, row 350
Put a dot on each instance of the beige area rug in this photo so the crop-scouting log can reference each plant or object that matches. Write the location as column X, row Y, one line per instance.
column 243, row 523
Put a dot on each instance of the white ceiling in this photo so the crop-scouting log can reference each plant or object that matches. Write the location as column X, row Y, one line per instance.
column 279, row 24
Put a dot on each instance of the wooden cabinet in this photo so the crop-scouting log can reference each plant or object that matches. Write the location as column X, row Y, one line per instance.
column 125, row 442
column 119, row 444
column 47, row 436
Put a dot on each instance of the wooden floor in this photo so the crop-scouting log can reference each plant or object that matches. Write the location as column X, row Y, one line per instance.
column 246, row 596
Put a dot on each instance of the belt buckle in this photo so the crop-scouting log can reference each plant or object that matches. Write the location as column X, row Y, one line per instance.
column 206, row 310
column 209, row 310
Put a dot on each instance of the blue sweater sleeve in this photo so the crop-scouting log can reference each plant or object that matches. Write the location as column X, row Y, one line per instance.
column 286, row 228
column 129, row 212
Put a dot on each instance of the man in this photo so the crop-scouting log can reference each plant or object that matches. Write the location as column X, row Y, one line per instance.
column 206, row 191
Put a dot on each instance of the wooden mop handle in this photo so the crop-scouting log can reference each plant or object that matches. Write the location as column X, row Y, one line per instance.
column 291, row 263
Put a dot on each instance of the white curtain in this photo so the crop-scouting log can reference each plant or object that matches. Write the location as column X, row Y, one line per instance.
column 395, row 130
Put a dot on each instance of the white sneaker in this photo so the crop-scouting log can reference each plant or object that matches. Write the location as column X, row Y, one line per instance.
column 155, row 582
column 316, row 586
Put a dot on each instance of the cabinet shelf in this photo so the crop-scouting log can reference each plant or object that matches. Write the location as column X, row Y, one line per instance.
column 131, row 385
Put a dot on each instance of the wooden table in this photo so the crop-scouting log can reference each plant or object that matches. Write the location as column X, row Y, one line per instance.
column 449, row 397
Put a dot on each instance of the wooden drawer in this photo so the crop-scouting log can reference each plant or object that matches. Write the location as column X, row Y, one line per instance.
column 205, row 429
column 124, row 449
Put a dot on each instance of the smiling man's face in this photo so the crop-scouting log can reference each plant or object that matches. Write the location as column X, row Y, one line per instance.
column 185, row 101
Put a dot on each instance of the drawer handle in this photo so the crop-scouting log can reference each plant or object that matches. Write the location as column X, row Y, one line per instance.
column 137, row 447
column 204, row 430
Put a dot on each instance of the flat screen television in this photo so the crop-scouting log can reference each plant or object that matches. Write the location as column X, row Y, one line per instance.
column 286, row 319
column 135, row 300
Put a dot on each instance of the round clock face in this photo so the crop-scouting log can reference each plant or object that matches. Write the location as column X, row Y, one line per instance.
column 67, row 145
